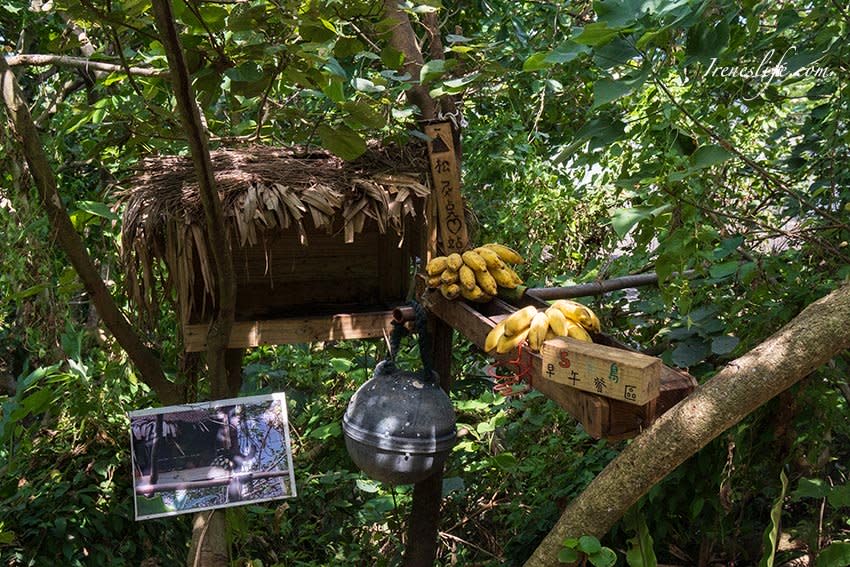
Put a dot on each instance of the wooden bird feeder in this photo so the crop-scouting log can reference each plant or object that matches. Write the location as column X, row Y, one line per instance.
column 322, row 248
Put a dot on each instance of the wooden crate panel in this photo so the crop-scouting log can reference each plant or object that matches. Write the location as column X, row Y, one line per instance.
column 281, row 277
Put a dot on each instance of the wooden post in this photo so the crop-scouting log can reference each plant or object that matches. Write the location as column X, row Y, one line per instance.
column 422, row 529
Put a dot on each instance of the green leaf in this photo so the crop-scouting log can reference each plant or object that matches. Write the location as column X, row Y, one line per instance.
column 392, row 58
column 608, row 90
column 342, row 141
column 706, row 156
column 432, row 70
column 724, row 344
column 568, row 555
column 536, row 62
column 839, row 496
column 97, row 209
column 596, row 34
column 341, row 365
column 367, row 485
column 689, row 353
column 326, row 431
column 640, row 552
column 589, row 544
column 771, row 533
column 366, row 86
column 619, row 13
column 567, row 52
column 724, row 270
column 707, row 39
column 836, row 554
column 334, row 90
column 623, row 220
column 453, row 484
column 810, row 488
column 605, row 557
column 505, row 461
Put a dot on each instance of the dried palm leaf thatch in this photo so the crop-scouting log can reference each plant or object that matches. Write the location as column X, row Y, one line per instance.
column 264, row 191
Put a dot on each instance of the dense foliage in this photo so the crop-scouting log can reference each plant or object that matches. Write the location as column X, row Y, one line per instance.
column 601, row 139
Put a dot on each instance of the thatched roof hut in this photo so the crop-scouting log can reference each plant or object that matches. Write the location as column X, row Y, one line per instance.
column 278, row 204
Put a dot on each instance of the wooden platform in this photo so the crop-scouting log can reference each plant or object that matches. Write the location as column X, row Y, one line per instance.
column 600, row 416
column 293, row 330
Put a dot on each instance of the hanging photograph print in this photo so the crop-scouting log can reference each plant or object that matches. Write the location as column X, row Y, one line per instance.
column 210, row 455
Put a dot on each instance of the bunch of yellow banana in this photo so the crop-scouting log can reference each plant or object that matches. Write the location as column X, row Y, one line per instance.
column 564, row 318
column 476, row 274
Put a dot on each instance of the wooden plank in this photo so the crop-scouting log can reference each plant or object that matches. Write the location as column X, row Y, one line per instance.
column 445, row 174
column 294, row 330
column 609, row 372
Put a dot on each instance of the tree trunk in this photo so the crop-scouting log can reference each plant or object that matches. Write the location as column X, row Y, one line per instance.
column 146, row 362
column 209, row 535
column 817, row 334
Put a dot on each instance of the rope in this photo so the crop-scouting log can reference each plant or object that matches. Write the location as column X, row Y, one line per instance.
column 505, row 383
column 420, row 324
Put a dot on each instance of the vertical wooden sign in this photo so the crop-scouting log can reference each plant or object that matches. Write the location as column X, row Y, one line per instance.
column 445, row 173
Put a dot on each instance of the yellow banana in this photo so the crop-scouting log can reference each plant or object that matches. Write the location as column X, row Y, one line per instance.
column 493, row 337
column 514, row 275
column 435, row 281
column 518, row 321
column 550, row 334
column 467, row 277
column 579, row 313
column 487, row 283
column 475, row 294
column 450, row 291
column 474, row 261
column 448, row 276
column 537, row 331
column 507, row 344
column 490, row 258
column 436, row 265
column 454, row 261
column 577, row 332
column 504, row 278
column 507, row 254
column 557, row 321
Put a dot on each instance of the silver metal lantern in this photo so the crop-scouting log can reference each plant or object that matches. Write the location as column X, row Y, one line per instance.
column 399, row 428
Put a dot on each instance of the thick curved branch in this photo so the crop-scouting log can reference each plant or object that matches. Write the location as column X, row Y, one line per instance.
column 35, row 59
column 810, row 340
column 69, row 240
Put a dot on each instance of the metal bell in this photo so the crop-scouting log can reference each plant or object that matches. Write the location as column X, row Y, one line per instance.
column 398, row 427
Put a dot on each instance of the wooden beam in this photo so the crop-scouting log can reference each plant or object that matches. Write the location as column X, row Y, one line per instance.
column 294, row 330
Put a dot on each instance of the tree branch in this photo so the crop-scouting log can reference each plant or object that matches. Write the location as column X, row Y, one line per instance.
column 403, row 39
column 810, row 340
column 222, row 263
column 35, row 59
column 761, row 171
column 205, row 551
column 69, row 240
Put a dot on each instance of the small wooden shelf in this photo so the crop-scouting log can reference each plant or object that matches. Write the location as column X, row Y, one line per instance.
column 601, row 417
column 301, row 329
